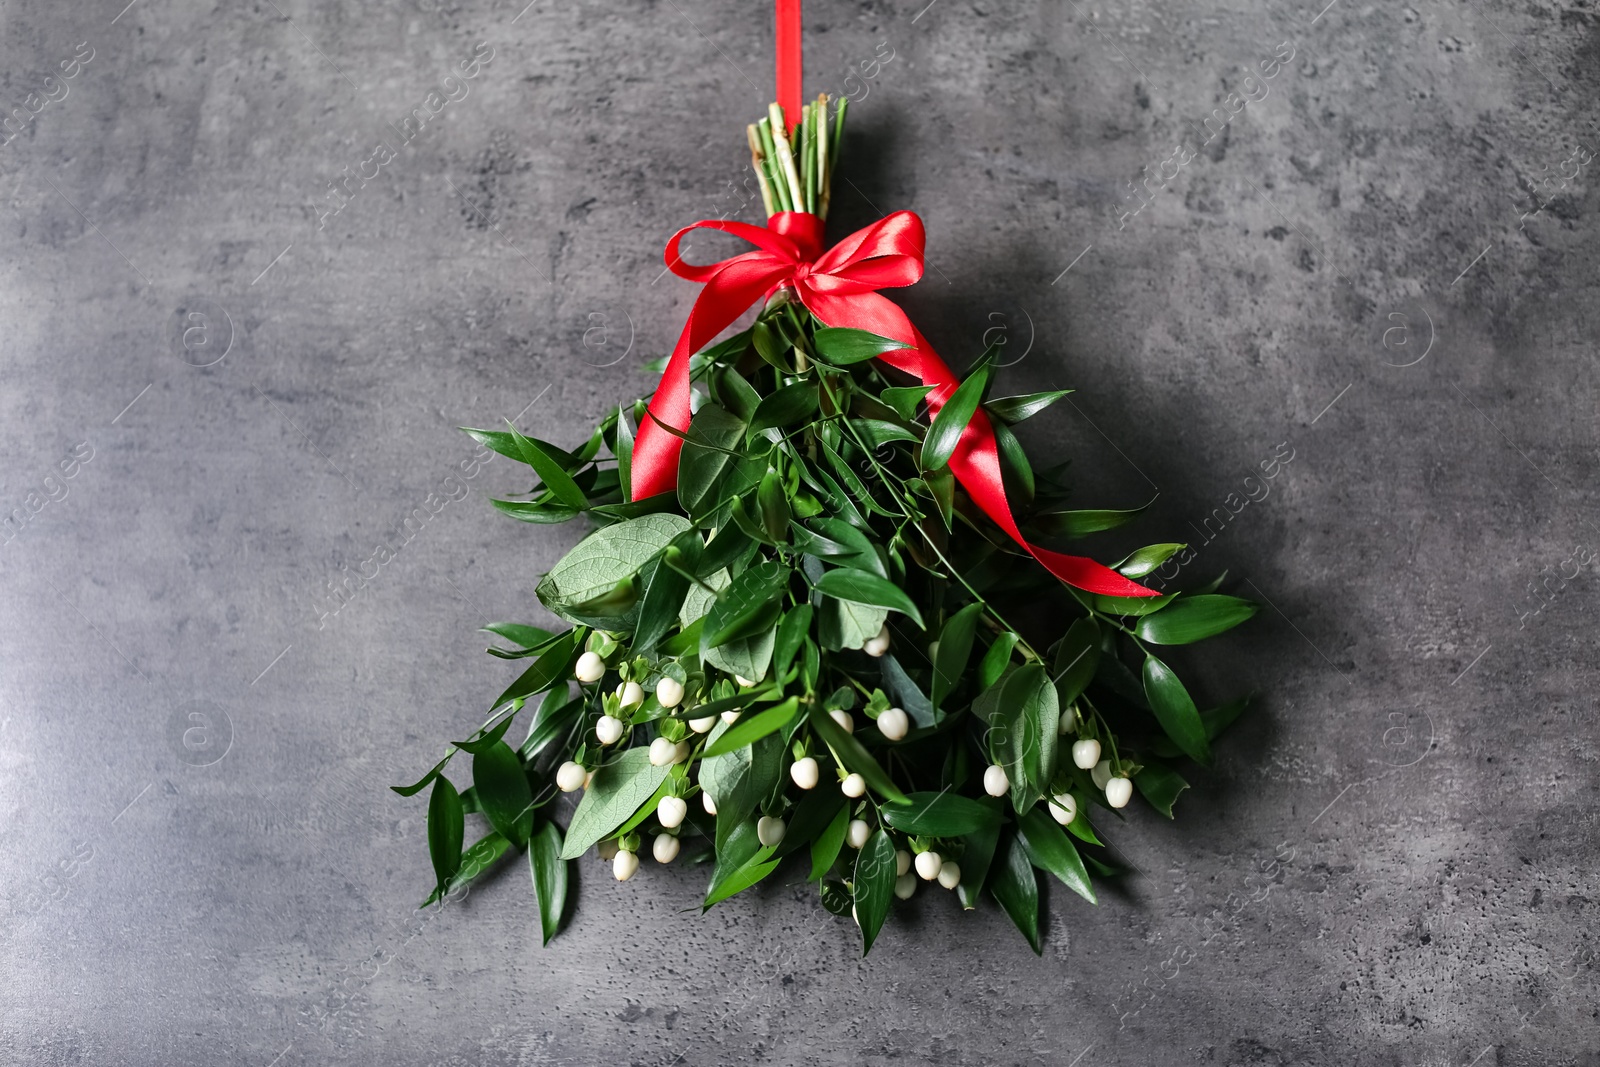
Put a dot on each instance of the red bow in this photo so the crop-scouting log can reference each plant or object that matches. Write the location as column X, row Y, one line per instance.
column 839, row 288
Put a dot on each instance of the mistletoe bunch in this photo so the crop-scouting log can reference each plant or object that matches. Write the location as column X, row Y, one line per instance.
column 818, row 647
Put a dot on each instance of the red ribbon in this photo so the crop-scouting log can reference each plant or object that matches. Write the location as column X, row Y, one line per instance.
column 839, row 288
column 788, row 54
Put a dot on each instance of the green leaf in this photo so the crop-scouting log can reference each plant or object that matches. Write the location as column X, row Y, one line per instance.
column 875, row 433
column 506, row 444
column 624, row 454
column 952, row 420
column 1015, row 460
column 874, row 886
column 1195, row 618
column 1083, row 523
column 740, row 779
column 1050, row 849
column 549, row 872
column 477, row 859
column 825, row 849
column 859, row 587
column 1014, row 409
column 1147, row 559
column 955, row 649
column 939, row 815
column 839, row 542
column 666, row 583
column 747, row 657
column 1132, row 605
column 978, row 856
column 1160, row 785
column 846, row 625
column 749, row 606
column 1175, row 710
column 1029, row 715
column 525, row 511
column 1076, row 659
column 735, row 393
column 841, row 346
column 905, row 692
column 616, row 791
column 851, row 755
column 553, row 666
column 1016, row 887
column 482, row 739
column 748, row 730
column 520, row 635
column 905, row 400
column 742, row 861
column 994, row 661
column 422, row 783
column 446, row 829
column 503, row 793
column 792, row 632
column 787, row 406
column 547, row 460
column 554, row 718
column 606, row 557
column 774, row 501
column 707, row 473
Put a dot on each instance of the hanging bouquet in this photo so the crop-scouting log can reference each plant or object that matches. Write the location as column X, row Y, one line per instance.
column 813, row 620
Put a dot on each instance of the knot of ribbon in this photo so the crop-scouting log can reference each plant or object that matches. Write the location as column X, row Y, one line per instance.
column 839, row 287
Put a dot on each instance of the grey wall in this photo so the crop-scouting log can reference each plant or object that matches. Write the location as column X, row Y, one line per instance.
column 1392, row 861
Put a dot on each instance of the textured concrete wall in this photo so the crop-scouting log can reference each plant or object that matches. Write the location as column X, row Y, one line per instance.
column 1377, row 253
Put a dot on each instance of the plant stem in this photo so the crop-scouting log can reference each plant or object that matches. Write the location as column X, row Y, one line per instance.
column 780, row 141
column 780, row 189
column 824, row 177
column 758, row 161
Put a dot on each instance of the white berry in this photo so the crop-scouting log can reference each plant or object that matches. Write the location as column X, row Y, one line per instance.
column 1086, row 753
column 857, row 833
column 929, row 865
column 804, row 772
column 590, row 668
column 950, row 874
column 853, row 786
column 902, row 862
column 1064, row 808
column 744, row 683
column 624, row 865
column 1101, row 773
column 671, row 811
column 905, row 885
column 730, row 717
column 703, row 726
column 608, row 729
column 995, row 782
column 669, row 692
column 680, row 752
column 1118, row 792
column 894, row 724
column 570, row 776
column 608, row 849
column 846, row 723
column 769, row 830
column 877, row 646
column 707, row 803
column 663, row 753
column 665, row 849
column 631, row 694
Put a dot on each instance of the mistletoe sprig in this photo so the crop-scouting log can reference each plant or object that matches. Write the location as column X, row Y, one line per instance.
column 818, row 648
